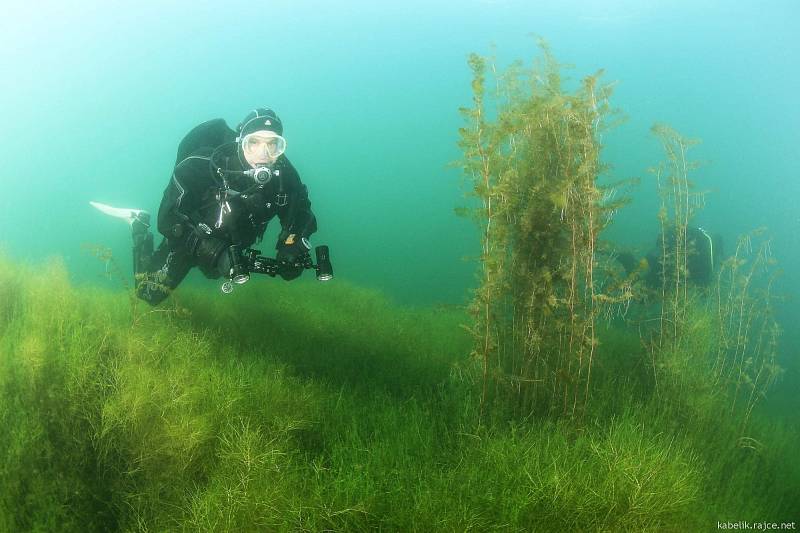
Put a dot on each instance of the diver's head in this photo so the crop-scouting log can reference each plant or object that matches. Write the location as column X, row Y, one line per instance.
column 260, row 138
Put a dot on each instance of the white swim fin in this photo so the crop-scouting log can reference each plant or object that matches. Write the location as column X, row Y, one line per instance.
column 126, row 214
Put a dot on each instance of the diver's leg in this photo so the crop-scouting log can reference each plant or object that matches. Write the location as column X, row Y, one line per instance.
column 142, row 243
column 156, row 272
column 167, row 269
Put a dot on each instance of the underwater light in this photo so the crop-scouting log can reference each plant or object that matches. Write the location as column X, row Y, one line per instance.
column 239, row 273
column 324, row 267
column 240, row 278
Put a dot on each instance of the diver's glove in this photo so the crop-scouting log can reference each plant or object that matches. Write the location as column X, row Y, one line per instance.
column 293, row 250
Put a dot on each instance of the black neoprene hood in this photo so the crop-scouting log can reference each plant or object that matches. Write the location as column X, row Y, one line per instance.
column 260, row 119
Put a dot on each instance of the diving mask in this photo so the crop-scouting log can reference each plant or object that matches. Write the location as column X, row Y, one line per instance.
column 262, row 147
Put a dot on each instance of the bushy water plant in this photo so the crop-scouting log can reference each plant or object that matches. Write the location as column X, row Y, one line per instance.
column 532, row 155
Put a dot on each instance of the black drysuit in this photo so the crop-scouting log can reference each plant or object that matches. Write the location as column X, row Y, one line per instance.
column 189, row 217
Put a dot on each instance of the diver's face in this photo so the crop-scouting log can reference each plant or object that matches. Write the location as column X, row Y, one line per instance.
column 262, row 148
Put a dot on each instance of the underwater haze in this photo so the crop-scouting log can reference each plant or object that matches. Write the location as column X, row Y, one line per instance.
column 96, row 97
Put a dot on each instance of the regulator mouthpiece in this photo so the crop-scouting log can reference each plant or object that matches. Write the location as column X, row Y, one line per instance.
column 261, row 175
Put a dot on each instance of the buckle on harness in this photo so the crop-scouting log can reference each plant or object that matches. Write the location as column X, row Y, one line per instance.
column 281, row 199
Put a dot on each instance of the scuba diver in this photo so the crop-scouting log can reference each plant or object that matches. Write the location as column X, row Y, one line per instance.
column 225, row 188
column 702, row 251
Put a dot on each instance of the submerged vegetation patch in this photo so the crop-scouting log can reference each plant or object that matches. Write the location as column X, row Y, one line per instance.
column 339, row 412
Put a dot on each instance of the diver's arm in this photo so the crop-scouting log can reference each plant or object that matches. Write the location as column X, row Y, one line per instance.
column 297, row 222
column 296, row 216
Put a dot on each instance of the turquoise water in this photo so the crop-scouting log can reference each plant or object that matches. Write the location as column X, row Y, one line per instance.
column 96, row 97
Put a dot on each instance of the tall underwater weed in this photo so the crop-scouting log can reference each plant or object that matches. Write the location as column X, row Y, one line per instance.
column 746, row 361
column 532, row 153
column 714, row 354
column 679, row 203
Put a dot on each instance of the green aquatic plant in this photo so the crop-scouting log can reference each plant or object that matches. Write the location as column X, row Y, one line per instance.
column 714, row 352
column 267, row 411
column 114, row 273
column 532, row 154
column 680, row 201
column 746, row 359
